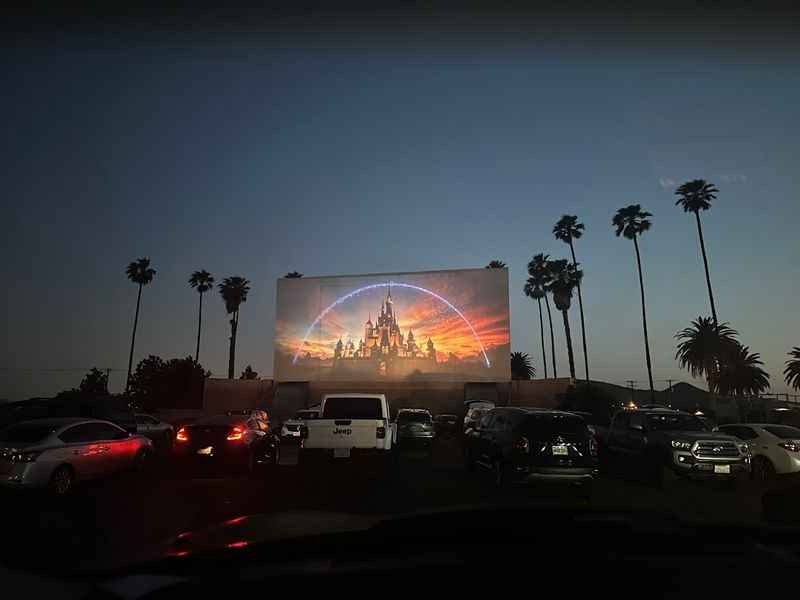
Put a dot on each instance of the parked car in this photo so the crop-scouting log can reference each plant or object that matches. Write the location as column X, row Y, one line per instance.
column 229, row 441
column 445, row 424
column 775, row 448
column 350, row 427
column 249, row 412
column 57, row 452
column 474, row 414
column 104, row 407
column 160, row 432
column 291, row 427
column 414, row 430
column 530, row 444
column 660, row 444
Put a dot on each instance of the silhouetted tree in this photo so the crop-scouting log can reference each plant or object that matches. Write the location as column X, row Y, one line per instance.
column 702, row 349
column 791, row 373
column 234, row 291
column 176, row 383
column 694, row 196
column 293, row 275
column 248, row 373
column 539, row 272
column 202, row 281
column 496, row 264
column 140, row 273
column 564, row 277
column 741, row 373
column 567, row 229
column 632, row 222
column 532, row 290
column 95, row 383
column 521, row 367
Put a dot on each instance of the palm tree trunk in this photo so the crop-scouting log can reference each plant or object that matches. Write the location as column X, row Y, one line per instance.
column 568, row 335
column 583, row 326
column 552, row 338
column 232, row 355
column 705, row 264
column 133, row 338
column 541, row 331
column 199, row 327
column 644, row 324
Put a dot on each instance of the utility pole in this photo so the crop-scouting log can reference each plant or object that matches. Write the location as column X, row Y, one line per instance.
column 630, row 383
column 108, row 374
column 669, row 393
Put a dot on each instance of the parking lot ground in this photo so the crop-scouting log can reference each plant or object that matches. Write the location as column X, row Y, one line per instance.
column 129, row 512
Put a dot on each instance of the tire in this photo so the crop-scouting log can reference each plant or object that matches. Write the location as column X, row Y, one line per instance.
column 62, row 480
column 276, row 455
column 763, row 471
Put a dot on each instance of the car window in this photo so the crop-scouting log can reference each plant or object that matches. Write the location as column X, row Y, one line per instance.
column 739, row 431
column 78, row 433
column 414, row 417
column 352, row 408
column 486, row 420
column 500, row 422
column 106, row 431
column 784, row 432
column 675, row 422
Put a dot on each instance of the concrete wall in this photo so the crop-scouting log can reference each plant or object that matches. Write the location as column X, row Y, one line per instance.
column 221, row 395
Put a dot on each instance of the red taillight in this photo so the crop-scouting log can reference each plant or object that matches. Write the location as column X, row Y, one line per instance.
column 381, row 432
column 182, row 435
column 592, row 445
column 520, row 445
column 235, row 434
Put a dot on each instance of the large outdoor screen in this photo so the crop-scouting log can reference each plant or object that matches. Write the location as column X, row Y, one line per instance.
column 439, row 325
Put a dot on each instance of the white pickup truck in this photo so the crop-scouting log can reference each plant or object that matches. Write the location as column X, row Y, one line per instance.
column 350, row 426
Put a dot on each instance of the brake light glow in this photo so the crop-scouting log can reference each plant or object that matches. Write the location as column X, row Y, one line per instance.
column 239, row 544
column 521, row 444
column 235, row 434
column 182, row 435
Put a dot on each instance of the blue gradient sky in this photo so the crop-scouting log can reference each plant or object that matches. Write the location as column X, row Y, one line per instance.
column 250, row 159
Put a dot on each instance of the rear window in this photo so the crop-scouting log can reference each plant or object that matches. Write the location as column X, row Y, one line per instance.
column 414, row 418
column 786, row 433
column 352, row 408
column 26, row 433
column 543, row 426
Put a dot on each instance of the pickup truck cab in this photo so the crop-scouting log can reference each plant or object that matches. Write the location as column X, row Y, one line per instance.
column 661, row 443
column 350, row 426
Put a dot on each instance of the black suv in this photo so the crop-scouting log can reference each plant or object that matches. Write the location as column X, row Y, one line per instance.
column 532, row 444
column 661, row 443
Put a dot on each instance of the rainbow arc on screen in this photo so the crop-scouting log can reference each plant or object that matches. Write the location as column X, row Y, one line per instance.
column 389, row 284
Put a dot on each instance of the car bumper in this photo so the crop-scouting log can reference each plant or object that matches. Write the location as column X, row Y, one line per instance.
column 556, row 474
column 415, row 441
column 685, row 464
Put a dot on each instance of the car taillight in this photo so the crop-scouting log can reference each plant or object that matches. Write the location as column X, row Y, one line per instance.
column 235, row 434
column 520, row 444
column 182, row 435
column 790, row 446
column 381, row 431
column 592, row 445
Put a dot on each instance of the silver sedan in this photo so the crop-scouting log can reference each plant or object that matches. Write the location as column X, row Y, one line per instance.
column 55, row 453
column 161, row 432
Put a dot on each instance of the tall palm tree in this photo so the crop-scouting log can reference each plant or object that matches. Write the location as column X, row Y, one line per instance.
column 539, row 271
column 741, row 373
column 791, row 373
column 521, row 367
column 702, row 348
column 632, row 222
column 694, row 196
column 496, row 264
column 293, row 275
column 565, row 277
column 140, row 273
column 202, row 281
column 532, row 290
column 567, row 229
column 233, row 291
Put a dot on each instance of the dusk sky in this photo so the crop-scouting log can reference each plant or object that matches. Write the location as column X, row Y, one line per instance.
column 350, row 154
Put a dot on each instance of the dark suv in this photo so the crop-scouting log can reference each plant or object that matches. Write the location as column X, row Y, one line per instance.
column 531, row 444
column 661, row 443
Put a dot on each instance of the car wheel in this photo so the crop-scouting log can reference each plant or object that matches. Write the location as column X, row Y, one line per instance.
column 763, row 470
column 62, row 480
column 141, row 461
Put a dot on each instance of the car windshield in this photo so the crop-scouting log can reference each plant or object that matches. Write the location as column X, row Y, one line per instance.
column 675, row 423
column 351, row 408
column 413, row 417
column 26, row 433
column 783, row 432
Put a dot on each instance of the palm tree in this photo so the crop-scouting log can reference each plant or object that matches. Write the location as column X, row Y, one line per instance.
column 694, row 196
column 539, row 271
column 565, row 277
column 140, row 273
column 791, row 373
column 632, row 222
column 293, row 275
column 532, row 290
column 202, row 281
column 233, row 291
column 496, row 264
column 741, row 373
column 567, row 229
column 521, row 367
column 703, row 347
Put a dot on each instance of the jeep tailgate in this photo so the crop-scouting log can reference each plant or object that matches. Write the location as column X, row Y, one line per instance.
column 344, row 433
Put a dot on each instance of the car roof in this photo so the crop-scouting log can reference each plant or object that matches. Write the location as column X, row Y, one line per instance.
column 414, row 410
column 218, row 420
column 59, row 421
column 354, row 395
column 761, row 425
column 535, row 410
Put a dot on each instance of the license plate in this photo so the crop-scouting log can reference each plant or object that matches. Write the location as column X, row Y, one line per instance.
column 341, row 452
column 722, row 468
column 208, row 451
column 560, row 450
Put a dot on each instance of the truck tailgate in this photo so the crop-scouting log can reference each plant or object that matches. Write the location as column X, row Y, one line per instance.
column 344, row 433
